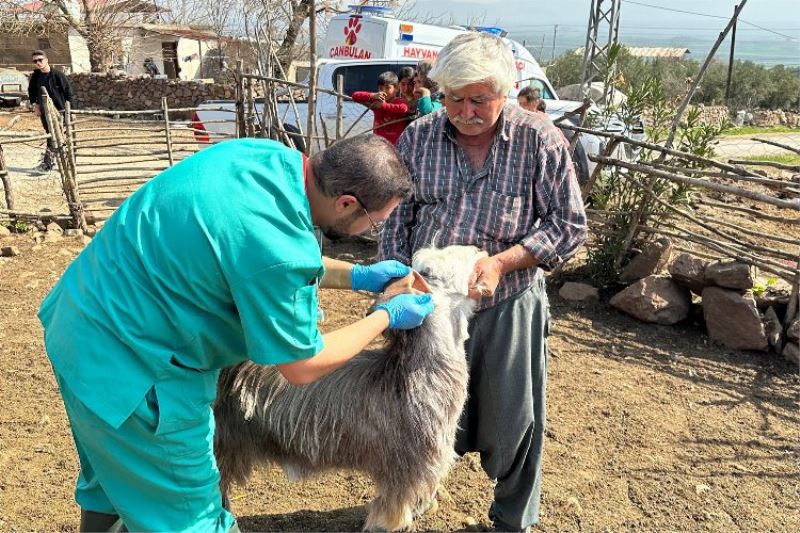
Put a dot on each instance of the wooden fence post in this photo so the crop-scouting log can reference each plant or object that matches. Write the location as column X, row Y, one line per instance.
column 339, row 106
column 55, row 126
column 167, row 132
column 6, row 179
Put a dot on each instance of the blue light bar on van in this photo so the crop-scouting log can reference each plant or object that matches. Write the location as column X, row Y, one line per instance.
column 406, row 37
column 494, row 30
column 378, row 10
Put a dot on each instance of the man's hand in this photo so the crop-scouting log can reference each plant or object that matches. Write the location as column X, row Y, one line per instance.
column 485, row 278
column 36, row 110
column 407, row 311
column 374, row 278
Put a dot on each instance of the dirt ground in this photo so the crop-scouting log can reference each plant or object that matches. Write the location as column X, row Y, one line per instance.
column 650, row 428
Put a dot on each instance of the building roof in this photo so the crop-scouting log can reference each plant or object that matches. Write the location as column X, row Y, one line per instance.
column 644, row 51
column 187, row 32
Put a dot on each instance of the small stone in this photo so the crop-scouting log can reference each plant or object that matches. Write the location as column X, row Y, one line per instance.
column 574, row 505
column 772, row 327
column 470, row 521
column 730, row 275
column 578, row 292
column 73, row 232
column 653, row 259
column 689, row 271
column 4, row 231
column 701, row 489
column 9, row 251
column 793, row 332
column 55, row 228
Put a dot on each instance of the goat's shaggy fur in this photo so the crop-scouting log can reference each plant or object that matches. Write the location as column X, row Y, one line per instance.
column 389, row 413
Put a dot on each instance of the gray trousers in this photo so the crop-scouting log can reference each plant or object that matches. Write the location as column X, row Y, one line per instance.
column 504, row 418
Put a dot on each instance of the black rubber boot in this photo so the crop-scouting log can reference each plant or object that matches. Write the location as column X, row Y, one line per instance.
column 92, row 521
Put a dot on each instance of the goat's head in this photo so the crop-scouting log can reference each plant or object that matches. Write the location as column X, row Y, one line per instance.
column 447, row 271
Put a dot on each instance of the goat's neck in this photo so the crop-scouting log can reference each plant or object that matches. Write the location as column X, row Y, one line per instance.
column 440, row 338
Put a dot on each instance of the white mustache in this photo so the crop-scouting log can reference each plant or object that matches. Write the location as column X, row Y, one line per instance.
column 467, row 121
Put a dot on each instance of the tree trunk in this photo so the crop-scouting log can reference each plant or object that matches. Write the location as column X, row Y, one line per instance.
column 300, row 12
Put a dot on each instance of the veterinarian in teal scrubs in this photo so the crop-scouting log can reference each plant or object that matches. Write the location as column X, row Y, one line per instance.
column 212, row 262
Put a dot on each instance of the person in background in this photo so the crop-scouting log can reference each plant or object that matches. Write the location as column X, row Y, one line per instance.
column 489, row 174
column 405, row 83
column 426, row 90
column 390, row 108
column 58, row 89
column 530, row 99
column 150, row 67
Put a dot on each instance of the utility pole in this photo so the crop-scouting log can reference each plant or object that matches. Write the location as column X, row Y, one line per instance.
column 601, row 34
column 553, row 52
column 730, row 59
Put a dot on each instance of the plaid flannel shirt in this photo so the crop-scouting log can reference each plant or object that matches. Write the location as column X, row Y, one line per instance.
column 526, row 193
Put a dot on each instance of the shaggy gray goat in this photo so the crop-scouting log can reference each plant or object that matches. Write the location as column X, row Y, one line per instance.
column 390, row 413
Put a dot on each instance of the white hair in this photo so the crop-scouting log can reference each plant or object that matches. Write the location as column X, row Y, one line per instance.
column 475, row 57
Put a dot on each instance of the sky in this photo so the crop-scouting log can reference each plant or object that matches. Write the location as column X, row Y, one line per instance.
column 642, row 23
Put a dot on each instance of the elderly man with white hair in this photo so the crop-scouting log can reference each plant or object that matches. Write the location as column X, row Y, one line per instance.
column 487, row 173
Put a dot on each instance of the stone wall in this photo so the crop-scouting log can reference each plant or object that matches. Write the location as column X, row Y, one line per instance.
column 102, row 91
column 775, row 117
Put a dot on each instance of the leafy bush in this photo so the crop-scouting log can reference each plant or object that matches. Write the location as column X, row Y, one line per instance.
column 753, row 85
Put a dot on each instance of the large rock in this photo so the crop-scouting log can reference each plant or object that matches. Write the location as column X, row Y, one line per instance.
column 772, row 327
column 730, row 275
column 733, row 319
column 578, row 292
column 689, row 271
column 791, row 352
column 653, row 259
column 654, row 299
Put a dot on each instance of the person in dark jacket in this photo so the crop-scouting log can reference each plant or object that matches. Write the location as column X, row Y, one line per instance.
column 58, row 88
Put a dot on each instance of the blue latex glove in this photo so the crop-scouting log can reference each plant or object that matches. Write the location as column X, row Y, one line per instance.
column 407, row 311
column 375, row 277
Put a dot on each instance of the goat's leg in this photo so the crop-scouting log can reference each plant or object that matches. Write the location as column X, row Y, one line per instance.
column 427, row 504
column 392, row 509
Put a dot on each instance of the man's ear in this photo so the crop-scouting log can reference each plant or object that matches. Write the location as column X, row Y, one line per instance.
column 344, row 203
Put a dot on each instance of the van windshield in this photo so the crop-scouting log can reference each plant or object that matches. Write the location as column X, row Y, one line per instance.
column 541, row 86
column 364, row 77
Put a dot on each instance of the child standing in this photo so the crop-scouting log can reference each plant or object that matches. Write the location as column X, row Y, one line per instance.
column 390, row 109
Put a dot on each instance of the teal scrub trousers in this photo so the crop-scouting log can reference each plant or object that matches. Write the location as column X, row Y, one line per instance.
column 168, row 482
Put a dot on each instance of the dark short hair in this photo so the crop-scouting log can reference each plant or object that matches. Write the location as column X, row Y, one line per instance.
column 406, row 73
column 38, row 53
column 367, row 166
column 423, row 70
column 530, row 93
column 388, row 78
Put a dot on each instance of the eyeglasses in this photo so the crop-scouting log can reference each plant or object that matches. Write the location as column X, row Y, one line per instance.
column 39, row 60
column 377, row 227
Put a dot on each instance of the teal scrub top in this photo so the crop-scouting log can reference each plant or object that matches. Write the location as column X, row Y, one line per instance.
column 212, row 262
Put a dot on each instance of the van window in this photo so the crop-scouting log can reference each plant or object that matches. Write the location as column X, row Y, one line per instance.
column 364, row 77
